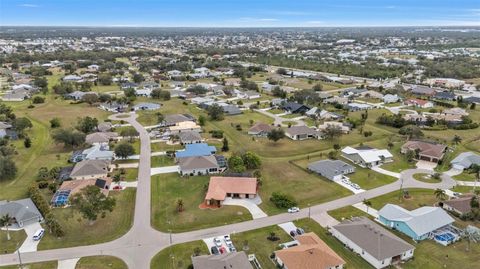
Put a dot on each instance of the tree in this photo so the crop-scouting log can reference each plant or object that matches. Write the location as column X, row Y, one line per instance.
column 317, row 87
column 278, row 92
column 55, row 123
column 130, row 132
column 281, row 71
column 276, row 134
column 180, row 205
column 215, row 112
column 201, row 120
column 105, row 79
column 225, row 144
column 124, row 150
column 27, row 142
column 90, row 98
column 41, row 83
column 475, row 169
column 5, row 221
column 235, row 163
column 38, row 100
column 474, row 202
column 91, row 202
column 336, row 147
column 367, row 203
column 282, row 200
column 411, row 131
column 440, row 194
column 87, row 124
column 69, row 138
column 456, row 139
column 332, row 131
column 138, row 78
column 8, row 169
column 20, row 124
column 410, row 155
column 251, row 160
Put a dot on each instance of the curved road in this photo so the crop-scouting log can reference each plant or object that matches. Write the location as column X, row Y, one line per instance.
column 138, row 246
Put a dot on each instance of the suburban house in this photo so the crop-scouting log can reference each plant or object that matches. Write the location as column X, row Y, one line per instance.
column 302, row 132
column 184, row 126
column 78, row 95
column 220, row 188
column 445, row 95
column 358, row 106
column 423, row 91
column 331, row 169
column 471, row 100
column 101, row 137
column 311, row 253
column 71, row 187
column 104, row 127
column 371, row 94
column 88, row 169
column 345, row 128
column 460, row 205
column 327, row 115
column 175, row 119
column 113, row 107
column 391, row 98
column 198, row 165
column 190, row 137
column 4, row 127
column 197, row 149
column 419, row 224
column 146, row 106
column 98, row 152
column 366, row 156
column 465, row 160
column 23, row 212
column 372, row 242
column 455, row 111
column 419, row 103
column 295, row 108
column 427, row 151
column 336, row 100
column 230, row 260
column 260, row 129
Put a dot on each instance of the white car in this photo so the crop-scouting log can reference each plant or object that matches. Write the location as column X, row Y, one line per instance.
column 217, row 242
column 228, row 240
column 293, row 209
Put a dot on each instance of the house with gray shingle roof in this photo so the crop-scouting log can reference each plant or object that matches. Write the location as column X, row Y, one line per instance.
column 198, row 165
column 331, row 169
column 465, row 160
column 372, row 242
column 190, row 137
column 23, row 211
column 89, row 169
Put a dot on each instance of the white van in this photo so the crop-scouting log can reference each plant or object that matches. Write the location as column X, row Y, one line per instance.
column 38, row 234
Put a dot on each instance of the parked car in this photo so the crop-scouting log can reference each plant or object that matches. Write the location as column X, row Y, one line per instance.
column 217, row 242
column 300, row 231
column 232, row 249
column 38, row 234
column 222, row 250
column 293, row 209
column 293, row 233
column 227, row 239
column 215, row 250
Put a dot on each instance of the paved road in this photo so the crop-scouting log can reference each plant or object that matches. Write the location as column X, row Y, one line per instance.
column 278, row 120
column 138, row 246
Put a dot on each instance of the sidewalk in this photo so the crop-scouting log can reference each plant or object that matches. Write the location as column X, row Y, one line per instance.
column 369, row 210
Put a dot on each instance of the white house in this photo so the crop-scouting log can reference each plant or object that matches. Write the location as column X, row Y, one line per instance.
column 367, row 156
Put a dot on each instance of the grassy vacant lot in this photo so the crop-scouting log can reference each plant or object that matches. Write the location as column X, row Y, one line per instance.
column 258, row 244
column 306, row 188
column 100, row 262
column 159, row 161
column 167, row 189
column 178, row 256
column 16, row 240
column 347, row 212
column 352, row 260
column 161, row 146
column 368, row 179
column 418, row 198
column 148, row 118
column 40, row 265
column 81, row 233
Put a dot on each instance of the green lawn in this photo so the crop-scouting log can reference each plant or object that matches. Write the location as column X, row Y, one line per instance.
column 131, row 174
column 258, row 244
column 160, row 161
column 347, row 212
column 39, row 265
column 276, row 111
column 352, row 260
column 147, row 118
column 466, row 176
column 100, row 262
column 369, row 179
column 419, row 197
column 178, row 256
column 168, row 188
column 16, row 240
column 162, row 146
column 291, row 116
column 306, row 188
column 114, row 225
column 106, row 88
column 425, row 178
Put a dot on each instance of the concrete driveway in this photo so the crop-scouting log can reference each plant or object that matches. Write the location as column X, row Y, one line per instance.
column 385, row 172
column 248, row 204
column 29, row 245
column 164, row 170
column 209, row 242
column 67, row 264
column 426, row 165
column 287, row 227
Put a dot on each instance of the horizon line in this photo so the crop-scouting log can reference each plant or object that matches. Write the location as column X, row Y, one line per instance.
column 226, row 27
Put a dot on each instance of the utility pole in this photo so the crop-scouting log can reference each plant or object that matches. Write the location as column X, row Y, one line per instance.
column 309, row 208
column 19, row 257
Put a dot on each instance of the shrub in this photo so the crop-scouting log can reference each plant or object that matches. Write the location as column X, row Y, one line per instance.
column 281, row 200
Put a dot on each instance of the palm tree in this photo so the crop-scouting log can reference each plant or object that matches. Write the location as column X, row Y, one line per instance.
column 5, row 221
column 476, row 169
column 367, row 203
column 456, row 139
column 180, row 205
column 440, row 194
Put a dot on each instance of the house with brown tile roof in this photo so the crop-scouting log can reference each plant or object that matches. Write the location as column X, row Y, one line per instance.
column 260, row 129
column 460, row 205
column 231, row 260
column 427, row 151
column 312, row 253
column 220, row 188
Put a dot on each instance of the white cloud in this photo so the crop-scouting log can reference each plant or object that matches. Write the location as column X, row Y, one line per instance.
column 249, row 19
column 29, row 5
column 315, row 22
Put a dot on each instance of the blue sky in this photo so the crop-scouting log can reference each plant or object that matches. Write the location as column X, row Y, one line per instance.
column 240, row 13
